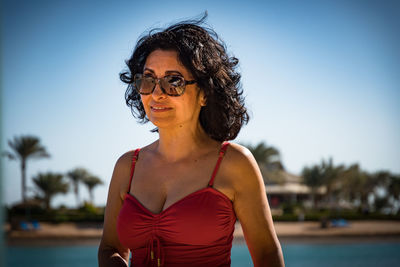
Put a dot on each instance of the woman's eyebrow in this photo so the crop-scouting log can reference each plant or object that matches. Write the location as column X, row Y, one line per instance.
column 152, row 71
column 167, row 72
column 173, row 72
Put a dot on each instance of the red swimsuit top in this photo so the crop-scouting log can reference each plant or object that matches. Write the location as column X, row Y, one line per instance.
column 197, row 230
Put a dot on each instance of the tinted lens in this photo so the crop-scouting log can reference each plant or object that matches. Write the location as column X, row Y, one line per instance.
column 173, row 85
column 143, row 84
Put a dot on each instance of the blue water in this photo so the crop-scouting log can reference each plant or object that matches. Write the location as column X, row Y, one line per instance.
column 354, row 255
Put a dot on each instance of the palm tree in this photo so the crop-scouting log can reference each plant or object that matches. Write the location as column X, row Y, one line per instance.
column 91, row 182
column 367, row 185
column 394, row 187
column 50, row 184
column 24, row 148
column 352, row 183
column 268, row 159
column 325, row 174
column 358, row 185
column 313, row 178
column 77, row 175
column 265, row 154
column 331, row 175
column 383, row 180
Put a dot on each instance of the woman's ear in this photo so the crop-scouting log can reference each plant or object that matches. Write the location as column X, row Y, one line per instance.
column 203, row 101
column 202, row 98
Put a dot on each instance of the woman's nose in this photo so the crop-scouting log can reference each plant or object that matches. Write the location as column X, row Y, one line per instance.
column 157, row 92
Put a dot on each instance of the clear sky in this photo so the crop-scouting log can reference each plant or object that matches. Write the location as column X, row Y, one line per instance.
column 321, row 79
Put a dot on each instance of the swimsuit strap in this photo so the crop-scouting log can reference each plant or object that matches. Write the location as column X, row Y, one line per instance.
column 135, row 157
column 221, row 155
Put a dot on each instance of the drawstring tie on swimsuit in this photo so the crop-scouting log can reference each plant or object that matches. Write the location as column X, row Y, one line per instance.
column 155, row 256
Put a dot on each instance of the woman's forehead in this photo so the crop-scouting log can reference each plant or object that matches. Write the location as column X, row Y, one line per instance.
column 164, row 62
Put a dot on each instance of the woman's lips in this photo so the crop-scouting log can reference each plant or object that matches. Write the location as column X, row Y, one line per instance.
column 159, row 109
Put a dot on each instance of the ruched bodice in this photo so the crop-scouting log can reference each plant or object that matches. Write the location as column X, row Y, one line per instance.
column 197, row 230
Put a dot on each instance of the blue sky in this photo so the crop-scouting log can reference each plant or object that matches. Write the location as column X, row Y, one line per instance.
column 320, row 78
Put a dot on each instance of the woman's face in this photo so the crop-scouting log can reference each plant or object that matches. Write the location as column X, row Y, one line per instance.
column 166, row 111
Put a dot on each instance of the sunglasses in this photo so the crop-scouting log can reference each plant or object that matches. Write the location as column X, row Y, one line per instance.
column 171, row 85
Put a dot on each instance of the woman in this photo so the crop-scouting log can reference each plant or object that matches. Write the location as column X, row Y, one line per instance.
column 175, row 201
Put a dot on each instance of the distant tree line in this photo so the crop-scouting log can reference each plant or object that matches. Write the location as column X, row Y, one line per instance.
column 378, row 191
column 49, row 184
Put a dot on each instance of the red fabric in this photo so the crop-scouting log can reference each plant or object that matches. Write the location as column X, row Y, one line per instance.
column 197, row 230
column 221, row 155
column 135, row 157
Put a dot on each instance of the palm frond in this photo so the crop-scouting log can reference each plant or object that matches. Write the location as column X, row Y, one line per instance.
column 28, row 147
column 9, row 155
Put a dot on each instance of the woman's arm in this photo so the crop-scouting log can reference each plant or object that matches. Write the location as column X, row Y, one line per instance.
column 252, row 209
column 111, row 253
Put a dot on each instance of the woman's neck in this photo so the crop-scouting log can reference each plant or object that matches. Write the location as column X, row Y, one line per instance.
column 181, row 142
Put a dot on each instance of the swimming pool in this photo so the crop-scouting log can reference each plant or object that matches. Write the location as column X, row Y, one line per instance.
column 310, row 255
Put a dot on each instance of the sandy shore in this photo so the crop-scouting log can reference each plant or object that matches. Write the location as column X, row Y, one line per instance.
column 288, row 232
column 356, row 231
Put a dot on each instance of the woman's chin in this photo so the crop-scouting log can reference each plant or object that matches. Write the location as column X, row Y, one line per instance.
column 162, row 122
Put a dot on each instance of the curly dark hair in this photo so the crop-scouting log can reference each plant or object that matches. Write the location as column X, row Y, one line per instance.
column 202, row 52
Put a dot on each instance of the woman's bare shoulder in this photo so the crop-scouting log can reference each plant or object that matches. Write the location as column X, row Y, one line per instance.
column 239, row 156
column 240, row 165
column 125, row 160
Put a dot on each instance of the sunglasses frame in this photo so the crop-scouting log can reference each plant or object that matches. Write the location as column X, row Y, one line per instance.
column 158, row 81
